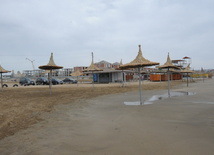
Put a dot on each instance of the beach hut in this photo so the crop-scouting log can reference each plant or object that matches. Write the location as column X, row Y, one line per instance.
column 168, row 65
column 139, row 62
column 112, row 75
column 92, row 68
column 50, row 66
column 187, row 71
column 2, row 70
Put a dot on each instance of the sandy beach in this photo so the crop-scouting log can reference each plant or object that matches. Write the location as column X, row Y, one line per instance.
column 97, row 122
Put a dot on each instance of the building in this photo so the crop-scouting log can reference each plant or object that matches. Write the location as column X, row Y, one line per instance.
column 109, row 73
column 104, row 65
column 80, row 68
column 32, row 73
column 65, row 71
column 112, row 75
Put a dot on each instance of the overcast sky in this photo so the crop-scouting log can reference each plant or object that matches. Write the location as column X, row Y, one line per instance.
column 112, row 29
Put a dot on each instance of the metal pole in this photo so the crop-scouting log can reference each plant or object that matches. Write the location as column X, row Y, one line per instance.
column 140, row 88
column 93, row 79
column 50, row 81
column 168, row 84
column 187, row 80
column 1, row 82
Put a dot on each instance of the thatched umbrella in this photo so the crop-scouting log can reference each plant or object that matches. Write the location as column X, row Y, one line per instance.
column 168, row 64
column 187, row 70
column 50, row 66
column 2, row 70
column 92, row 68
column 139, row 62
column 123, row 73
column 77, row 74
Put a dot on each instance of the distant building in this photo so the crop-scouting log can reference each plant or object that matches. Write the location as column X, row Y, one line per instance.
column 31, row 73
column 66, row 71
column 104, row 65
column 112, row 75
column 80, row 68
column 116, row 65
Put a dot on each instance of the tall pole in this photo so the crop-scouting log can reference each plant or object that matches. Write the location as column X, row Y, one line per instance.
column 168, row 83
column 1, row 82
column 187, row 80
column 50, row 81
column 77, row 81
column 140, row 87
column 93, row 78
column 32, row 65
column 92, row 54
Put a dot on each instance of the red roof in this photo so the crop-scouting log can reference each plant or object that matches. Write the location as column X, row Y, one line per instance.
column 186, row 57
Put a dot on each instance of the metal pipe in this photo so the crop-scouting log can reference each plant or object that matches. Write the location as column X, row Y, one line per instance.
column 1, row 82
column 50, row 81
column 168, row 83
column 140, row 87
column 187, row 80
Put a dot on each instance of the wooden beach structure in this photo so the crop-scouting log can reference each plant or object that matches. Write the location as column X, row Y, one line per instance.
column 77, row 73
column 168, row 65
column 2, row 70
column 187, row 71
column 92, row 68
column 50, row 67
column 139, row 62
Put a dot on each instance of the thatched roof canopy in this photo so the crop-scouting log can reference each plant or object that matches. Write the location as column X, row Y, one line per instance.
column 2, row 70
column 51, row 65
column 139, row 61
column 92, row 67
column 76, row 73
column 187, row 69
column 168, row 64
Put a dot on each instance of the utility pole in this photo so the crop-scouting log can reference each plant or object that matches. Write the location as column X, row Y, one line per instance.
column 32, row 64
column 92, row 56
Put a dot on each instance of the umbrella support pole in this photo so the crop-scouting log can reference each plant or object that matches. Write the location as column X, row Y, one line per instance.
column 140, row 88
column 168, row 84
column 50, row 81
column 93, row 79
column 187, row 80
column 1, row 83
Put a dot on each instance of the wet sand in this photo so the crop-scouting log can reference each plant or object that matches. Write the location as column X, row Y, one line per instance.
column 106, row 126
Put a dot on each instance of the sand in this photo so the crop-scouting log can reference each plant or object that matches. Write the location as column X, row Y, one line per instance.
column 100, row 122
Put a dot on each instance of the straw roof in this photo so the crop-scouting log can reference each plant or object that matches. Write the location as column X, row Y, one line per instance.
column 76, row 73
column 51, row 65
column 168, row 64
column 187, row 69
column 2, row 70
column 139, row 61
column 92, row 67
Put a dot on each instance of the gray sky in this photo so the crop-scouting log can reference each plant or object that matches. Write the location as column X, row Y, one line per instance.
column 112, row 29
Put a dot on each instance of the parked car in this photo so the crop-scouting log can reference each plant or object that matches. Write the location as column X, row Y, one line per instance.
column 42, row 81
column 69, row 80
column 56, row 81
column 26, row 81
